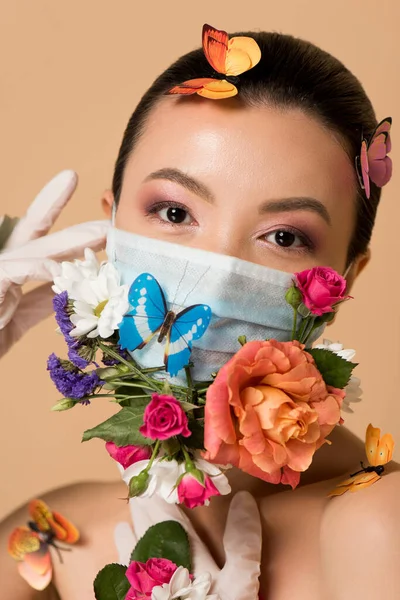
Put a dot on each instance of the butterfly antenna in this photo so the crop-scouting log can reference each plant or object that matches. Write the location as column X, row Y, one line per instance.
column 57, row 549
column 179, row 283
column 195, row 285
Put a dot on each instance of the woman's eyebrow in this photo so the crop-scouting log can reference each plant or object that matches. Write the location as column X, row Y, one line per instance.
column 294, row 204
column 186, row 181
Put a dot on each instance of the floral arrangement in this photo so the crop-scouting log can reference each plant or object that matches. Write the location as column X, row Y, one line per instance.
column 266, row 411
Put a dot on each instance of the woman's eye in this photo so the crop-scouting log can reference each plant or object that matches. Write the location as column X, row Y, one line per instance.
column 176, row 215
column 286, row 239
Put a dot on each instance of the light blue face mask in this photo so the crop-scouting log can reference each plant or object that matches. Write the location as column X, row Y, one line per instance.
column 246, row 299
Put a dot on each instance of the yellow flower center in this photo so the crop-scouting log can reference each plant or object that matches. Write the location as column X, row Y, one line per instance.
column 99, row 308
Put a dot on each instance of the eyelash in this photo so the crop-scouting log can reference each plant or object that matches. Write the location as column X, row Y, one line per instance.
column 308, row 245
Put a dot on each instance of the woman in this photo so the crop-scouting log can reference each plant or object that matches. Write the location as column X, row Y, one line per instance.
column 266, row 176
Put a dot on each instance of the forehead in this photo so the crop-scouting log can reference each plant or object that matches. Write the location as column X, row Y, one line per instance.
column 285, row 150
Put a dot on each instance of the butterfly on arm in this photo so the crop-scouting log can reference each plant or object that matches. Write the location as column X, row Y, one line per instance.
column 30, row 545
column 379, row 451
column 150, row 315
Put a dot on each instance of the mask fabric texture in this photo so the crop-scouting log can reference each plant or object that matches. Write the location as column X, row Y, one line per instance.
column 245, row 298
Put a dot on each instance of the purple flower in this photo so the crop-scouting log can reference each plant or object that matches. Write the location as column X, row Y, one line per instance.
column 60, row 305
column 69, row 380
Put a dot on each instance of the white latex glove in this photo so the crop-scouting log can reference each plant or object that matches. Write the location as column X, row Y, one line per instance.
column 239, row 578
column 31, row 255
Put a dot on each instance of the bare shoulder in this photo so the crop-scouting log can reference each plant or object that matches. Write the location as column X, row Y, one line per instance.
column 95, row 509
column 360, row 534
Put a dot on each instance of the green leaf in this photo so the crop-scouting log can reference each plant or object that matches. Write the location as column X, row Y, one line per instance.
column 164, row 540
column 111, row 583
column 123, row 427
column 335, row 370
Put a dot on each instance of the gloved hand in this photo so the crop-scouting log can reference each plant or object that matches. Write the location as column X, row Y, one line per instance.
column 238, row 579
column 31, row 255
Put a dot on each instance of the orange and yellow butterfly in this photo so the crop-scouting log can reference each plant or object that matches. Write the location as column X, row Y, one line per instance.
column 228, row 57
column 30, row 546
column 379, row 451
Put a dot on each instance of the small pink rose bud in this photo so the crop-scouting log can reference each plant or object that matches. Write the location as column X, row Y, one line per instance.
column 192, row 493
column 128, row 455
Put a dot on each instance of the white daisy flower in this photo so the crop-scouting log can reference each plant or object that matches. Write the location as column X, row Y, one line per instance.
column 337, row 348
column 183, row 588
column 99, row 300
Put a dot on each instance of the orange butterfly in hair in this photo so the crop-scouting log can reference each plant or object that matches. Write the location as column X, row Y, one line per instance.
column 228, row 57
column 379, row 451
column 31, row 545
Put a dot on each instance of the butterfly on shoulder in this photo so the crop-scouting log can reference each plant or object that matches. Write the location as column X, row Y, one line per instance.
column 228, row 57
column 30, row 546
column 379, row 451
column 373, row 164
column 150, row 316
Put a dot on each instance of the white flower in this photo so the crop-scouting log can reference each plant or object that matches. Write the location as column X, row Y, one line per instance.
column 164, row 474
column 72, row 273
column 353, row 390
column 337, row 348
column 182, row 588
column 353, row 394
column 99, row 301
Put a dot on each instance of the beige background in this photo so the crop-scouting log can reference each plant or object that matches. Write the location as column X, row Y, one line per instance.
column 71, row 73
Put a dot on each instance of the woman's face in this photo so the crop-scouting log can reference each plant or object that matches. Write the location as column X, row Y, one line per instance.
column 267, row 185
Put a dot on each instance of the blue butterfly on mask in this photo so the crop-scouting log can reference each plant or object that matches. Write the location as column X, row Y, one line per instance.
column 150, row 315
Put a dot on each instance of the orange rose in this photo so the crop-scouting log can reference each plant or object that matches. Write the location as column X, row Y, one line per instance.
column 269, row 410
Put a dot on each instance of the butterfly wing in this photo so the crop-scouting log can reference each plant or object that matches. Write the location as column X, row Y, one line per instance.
column 218, row 89
column 385, row 126
column 148, row 312
column 215, row 46
column 190, row 324
column 380, row 165
column 47, row 520
column 353, row 484
column 379, row 450
column 33, row 555
column 243, row 54
column 70, row 533
column 191, row 86
column 364, row 165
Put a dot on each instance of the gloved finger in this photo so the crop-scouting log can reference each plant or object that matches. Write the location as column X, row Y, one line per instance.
column 44, row 210
column 19, row 272
column 125, row 541
column 242, row 544
column 149, row 511
column 66, row 244
column 33, row 307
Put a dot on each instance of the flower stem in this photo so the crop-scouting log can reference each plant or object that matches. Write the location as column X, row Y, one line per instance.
column 309, row 333
column 153, row 456
column 295, row 312
column 134, row 369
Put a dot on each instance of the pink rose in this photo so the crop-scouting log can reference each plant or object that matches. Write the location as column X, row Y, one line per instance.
column 164, row 418
column 268, row 410
column 322, row 288
column 143, row 577
column 128, row 455
column 192, row 493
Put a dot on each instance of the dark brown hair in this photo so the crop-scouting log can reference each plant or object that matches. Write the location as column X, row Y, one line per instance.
column 291, row 73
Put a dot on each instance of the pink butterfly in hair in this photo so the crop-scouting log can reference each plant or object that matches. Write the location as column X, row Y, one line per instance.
column 373, row 163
